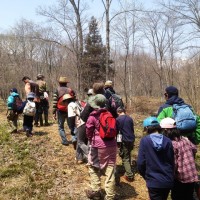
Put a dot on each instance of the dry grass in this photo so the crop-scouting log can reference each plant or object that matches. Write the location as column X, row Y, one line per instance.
column 40, row 168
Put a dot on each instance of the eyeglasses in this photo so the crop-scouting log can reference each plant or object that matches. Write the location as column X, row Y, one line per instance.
column 165, row 94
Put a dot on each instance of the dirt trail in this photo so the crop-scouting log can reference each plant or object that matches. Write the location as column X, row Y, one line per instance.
column 58, row 171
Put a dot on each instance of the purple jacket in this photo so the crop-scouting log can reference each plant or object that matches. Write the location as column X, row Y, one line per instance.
column 92, row 131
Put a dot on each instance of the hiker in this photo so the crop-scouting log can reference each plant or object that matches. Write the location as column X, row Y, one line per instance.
column 60, row 111
column 43, row 105
column 74, row 110
column 12, row 115
column 186, row 174
column 102, row 153
column 125, row 140
column 31, row 86
column 113, row 100
column 29, row 112
column 155, row 160
column 176, row 108
column 89, row 94
column 97, row 88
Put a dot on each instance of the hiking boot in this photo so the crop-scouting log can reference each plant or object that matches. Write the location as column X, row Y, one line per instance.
column 28, row 133
column 46, row 124
column 95, row 195
column 66, row 144
column 14, row 131
column 129, row 179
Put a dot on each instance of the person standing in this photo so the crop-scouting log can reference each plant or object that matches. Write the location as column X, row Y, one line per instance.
column 60, row 111
column 43, row 105
column 74, row 110
column 155, row 160
column 28, row 113
column 125, row 128
column 186, row 174
column 102, row 153
column 12, row 115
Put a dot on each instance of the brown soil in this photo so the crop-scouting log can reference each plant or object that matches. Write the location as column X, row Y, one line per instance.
column 57, row 172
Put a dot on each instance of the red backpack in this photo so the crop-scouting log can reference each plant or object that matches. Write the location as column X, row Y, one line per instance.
column 60, row 104
column 107, row 125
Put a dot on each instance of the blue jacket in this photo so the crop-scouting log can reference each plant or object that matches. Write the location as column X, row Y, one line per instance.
column 126, row 127
column 10, row 100
column 155, row 161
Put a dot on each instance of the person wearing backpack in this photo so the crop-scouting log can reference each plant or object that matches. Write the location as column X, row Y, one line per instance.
column 182, row 113
column 114, row 101
column 74, row 110
column 12, row 112
column 155, row 160
column 60, row 111
column 125, row 140
column 102, row 148
column 43, row 104
column 29, row 112
column 186, row 174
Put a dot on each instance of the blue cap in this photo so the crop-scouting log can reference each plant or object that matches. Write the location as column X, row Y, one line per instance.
column 150, row 121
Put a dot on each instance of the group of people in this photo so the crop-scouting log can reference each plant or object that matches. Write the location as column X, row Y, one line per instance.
column 35, row 105
column 166, row 157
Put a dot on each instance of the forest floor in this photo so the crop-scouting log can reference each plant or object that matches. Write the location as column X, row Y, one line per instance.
column 41, row 168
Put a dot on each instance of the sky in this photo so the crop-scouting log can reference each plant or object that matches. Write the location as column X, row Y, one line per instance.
column 11, row 11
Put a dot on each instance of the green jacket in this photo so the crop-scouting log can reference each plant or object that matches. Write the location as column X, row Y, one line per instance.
column 166, row 112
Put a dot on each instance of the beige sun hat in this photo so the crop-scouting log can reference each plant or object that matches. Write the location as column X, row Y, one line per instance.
column 63, row 79
column 108, row 83
column 67, row 96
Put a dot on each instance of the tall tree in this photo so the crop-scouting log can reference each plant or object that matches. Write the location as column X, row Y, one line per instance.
column 94, row 56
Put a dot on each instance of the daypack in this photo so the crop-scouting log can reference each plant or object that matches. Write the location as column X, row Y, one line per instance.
column 18, row 105
column 185, row 118
column 108, row 128
column 30, row 108
column 60, row 105
column 115, row 102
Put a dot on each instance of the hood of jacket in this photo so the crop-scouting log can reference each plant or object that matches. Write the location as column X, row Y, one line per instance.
column 14, row 94
column 157, row 140
column 174, row 100
column 97, row 111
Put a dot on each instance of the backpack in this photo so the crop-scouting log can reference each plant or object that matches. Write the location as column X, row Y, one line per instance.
column 18, row 105
column 184, row 117
column 115, row 102
column 108, row 128
column 30, row 108
column 60, row 105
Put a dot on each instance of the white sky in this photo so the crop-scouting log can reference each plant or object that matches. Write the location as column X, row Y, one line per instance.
column 11, row 11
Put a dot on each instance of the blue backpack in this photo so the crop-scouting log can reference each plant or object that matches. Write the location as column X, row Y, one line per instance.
column 185, row 118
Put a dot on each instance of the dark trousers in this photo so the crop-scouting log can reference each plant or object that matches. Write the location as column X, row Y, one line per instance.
column 158, row 193
column 125, row 154
column 182, row 191
column 28, row 123
column 82, row 147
